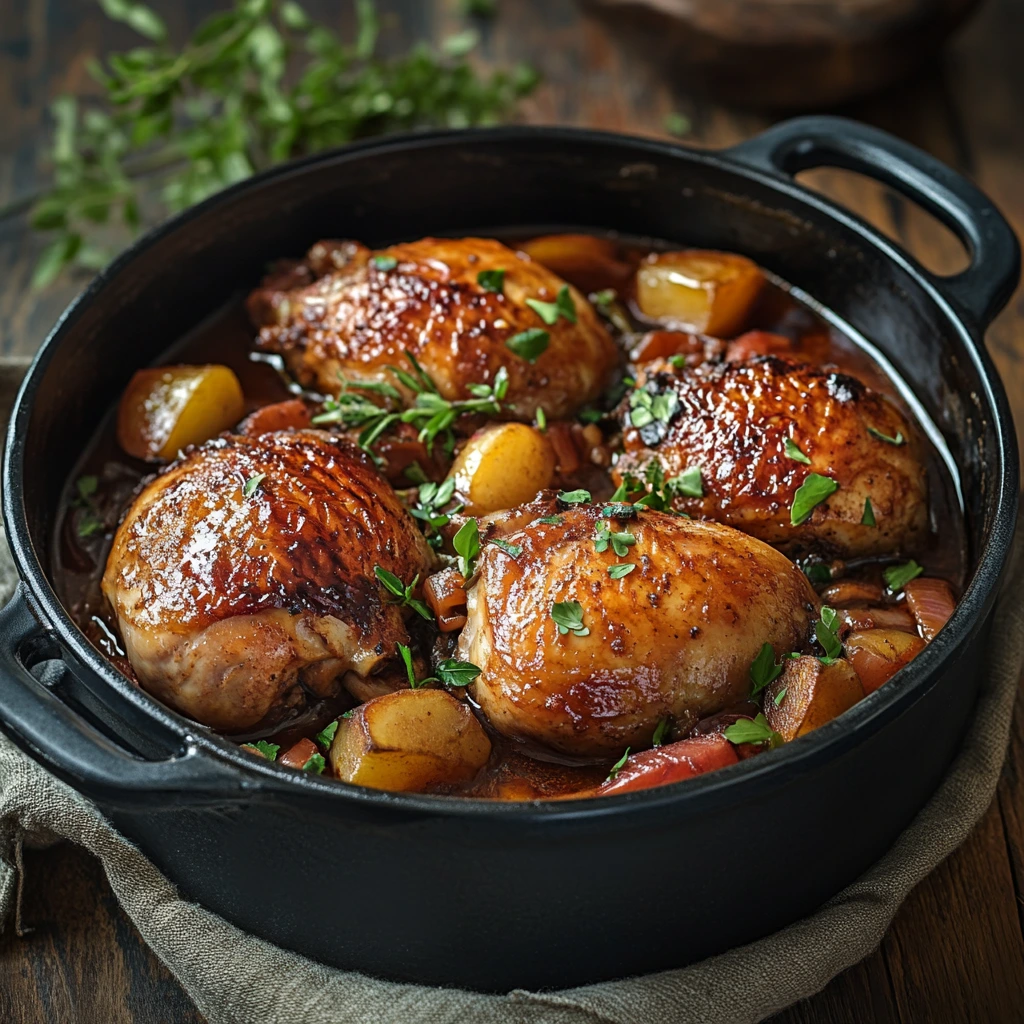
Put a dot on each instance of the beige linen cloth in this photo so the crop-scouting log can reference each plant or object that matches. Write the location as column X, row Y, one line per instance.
column 236, row 978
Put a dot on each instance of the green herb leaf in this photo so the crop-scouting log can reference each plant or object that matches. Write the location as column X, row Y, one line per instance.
column 550, row 520
column 645, row 408
column 454, row 673
column 620, row 542
column 467, row 546
column 250, row 485
column 618, row 766
column 549, row 312
column 660, row 730
column 590, row 416
column 826, row 629
column 763, row 670
column 792, row 451
column 316, row 764
column 326, row 735
column 542, row 419
column 818, row 572
column 529, row 344
column 136, row 16
column 619, row 510
column 809, row 495
column 385, row 263
column 868, row 518
column 404, row 593
column 512, row 550
column 574, row 497
column 568, row 616
column 620, row 569
column 268, row 750
column 677, row 124
column 898, row 576
column 897, row 440
column 491, row 280
column 604, row 297
column 410, row 672
column 758, row 731
column 780, row 697
column 688, row 483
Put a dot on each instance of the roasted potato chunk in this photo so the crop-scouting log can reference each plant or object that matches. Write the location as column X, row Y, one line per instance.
column 877, row 654
column 698, row 290
column 501, row 466
column 409, row 741
column 808, row 694
column 166, row 408
column 585, row 261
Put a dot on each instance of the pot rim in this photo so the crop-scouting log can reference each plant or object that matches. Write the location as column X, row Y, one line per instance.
column 734, row 784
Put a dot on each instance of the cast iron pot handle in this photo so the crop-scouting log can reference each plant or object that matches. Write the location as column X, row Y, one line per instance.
column 55, row 735
column 980, row 291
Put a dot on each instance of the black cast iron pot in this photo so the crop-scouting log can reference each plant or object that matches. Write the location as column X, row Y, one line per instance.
column 491, row 895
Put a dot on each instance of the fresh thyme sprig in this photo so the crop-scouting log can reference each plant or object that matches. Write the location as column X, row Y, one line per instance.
column 255, row 84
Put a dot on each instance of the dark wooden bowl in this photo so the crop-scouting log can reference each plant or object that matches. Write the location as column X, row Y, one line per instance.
column 796, row 54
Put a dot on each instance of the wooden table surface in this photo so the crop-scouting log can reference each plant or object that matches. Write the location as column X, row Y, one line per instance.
column 955, row 951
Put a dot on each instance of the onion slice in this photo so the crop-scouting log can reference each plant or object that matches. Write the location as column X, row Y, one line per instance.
column 931, row 602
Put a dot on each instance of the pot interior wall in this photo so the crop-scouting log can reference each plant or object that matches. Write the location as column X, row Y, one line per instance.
column 451, row 185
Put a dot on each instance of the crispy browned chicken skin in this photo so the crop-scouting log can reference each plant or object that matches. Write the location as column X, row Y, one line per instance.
column 234, row 608
column 733, row 420
column 675, row 636
column 348, row 311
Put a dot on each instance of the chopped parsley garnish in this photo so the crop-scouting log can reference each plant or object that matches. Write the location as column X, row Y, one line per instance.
column 87, row 486
column 316, row 764
column 618, row 766
column 619, row 510
column 604, row 297
column 410, row 672
column 550, row 520
column 574, row 497
column 268, row 750
column 530, row 344
column 898, row 576
column 250, row 485
column 454, row 673
column 385, row 262
column 620, row 569
column 677, row 362
column 350, row 713
column 792, row 450
column 745, row 730
column 404, row 593
column 512, row 550
column 586, row 416
column 818, row 572
column 897, row 440
column 549, row 312
column 826, row 629
column 620, row 542
column 659, row 731
column 688, row 483
column 430, row 412
column 763, row 670
column 780, row 697
column 326, row 735
column 809, row 495
column 491, row 280
column 645, row 408
column 431, row 498
column 568, row 616
column 89, row 522
column 868, row 519
column 541, row 419
column 467, row 546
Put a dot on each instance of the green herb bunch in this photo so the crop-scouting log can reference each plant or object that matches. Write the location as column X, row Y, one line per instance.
column 254, row 85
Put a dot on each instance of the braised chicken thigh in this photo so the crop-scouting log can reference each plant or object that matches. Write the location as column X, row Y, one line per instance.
column 463, row 308
column 243, row 577
column 800, row 457
column 672, row 636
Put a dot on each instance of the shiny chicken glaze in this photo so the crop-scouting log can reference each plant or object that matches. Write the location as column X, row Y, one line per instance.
column 233, row 607
column 363, row 311
column 733, row 421
column 675, row 636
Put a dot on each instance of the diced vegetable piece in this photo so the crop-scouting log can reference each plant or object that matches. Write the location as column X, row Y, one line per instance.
column 293, row 414
column 589, row 263
column 697, row 290
column 812, row 694
column 503, row 465
column 878, row 617
column 757, row 343
column 167, row 408
column 409, row 741
column 298, row 755
column 671, row 763
column 445, row 593
column 931, row 602
column 877, row 654
column 847, row 592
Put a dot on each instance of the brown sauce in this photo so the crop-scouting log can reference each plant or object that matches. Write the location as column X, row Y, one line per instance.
column 516, row 769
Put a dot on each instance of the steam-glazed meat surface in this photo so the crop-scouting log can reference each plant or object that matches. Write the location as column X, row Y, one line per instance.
column 242, row 577
column 674, row 637
column 363, row 311
column 733, row 421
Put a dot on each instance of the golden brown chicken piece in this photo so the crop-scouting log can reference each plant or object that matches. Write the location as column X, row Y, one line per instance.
column 243, row 577
column 733, row 421
column 362, row 311
column 674, row 636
